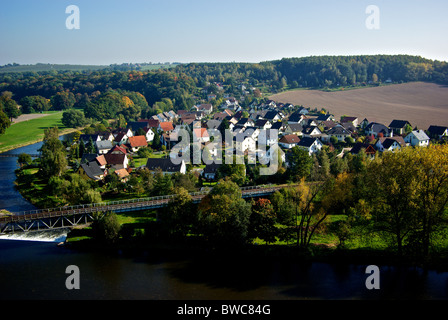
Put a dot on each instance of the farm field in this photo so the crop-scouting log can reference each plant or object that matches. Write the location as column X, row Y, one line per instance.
column 422, row 104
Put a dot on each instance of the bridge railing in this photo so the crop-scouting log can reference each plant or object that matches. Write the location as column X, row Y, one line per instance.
column 111, row 204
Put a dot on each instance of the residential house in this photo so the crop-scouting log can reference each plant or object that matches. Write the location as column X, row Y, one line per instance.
column 352, row 120
column 86, row 138
column 200, row 135
column 309, row 122
column 121, row 138
column 399, row 126
column 437, row 132
column 294, row 128
column 210, row 170
column 92, row 171
column 303, row 110
column 281, row 127
column 137, row 142
column 253, row 132
column 118, row 150
column 117, row 160
column 273, row 116
column 377, row 129
column 312, row 145
column 325, row 117
column 289, row 141
column 207, row 108
column 246, row 122
column 123, row 174
column 339, row 132
column 268, row 137
column 103, row 147
column 101, row 160
column 296, row 117
column 364, row 123
column 311, row 131
column 149, row 134
column 165, row 127
column 244, row 143
column 390, row 143
column 417, row 138
column 368, row 149
column 263, row 124
column 166, row 165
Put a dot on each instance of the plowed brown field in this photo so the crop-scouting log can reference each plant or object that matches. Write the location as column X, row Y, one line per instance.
column 422, row 104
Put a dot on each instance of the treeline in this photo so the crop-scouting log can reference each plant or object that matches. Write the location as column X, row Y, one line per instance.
column 321, row 71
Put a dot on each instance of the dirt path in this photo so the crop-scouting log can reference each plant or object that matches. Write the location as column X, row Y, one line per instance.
column 26, row 117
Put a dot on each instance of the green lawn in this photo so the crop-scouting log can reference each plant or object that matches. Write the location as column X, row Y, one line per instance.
column 31, row 131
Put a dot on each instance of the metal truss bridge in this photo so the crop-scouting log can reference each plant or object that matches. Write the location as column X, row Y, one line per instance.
column 70, row 216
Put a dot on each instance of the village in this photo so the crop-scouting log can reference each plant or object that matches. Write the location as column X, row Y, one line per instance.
column 254, row 130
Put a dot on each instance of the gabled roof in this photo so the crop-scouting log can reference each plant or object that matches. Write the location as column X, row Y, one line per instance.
column 261, row 122
column 307, row 142
column 295, row 127
column 137, row 141
column 122, row 173
column 420, row 135
column 200, row 132
column 387, row 142
column 398, row 124
column 338, row 130
column 290, row 139
column 101, row 160
column 92, row 169
column 115, row 158
column 439, row 130
column 377, row 127
column 166, row 165
column 166, row 126
column 278, row 125
column 357, row 147
column 349, row 119
column 295, row 117
column 270, row 115
column 117, row 149
column 105, row 144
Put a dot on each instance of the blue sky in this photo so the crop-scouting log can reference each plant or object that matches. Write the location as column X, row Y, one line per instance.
column 111, row 31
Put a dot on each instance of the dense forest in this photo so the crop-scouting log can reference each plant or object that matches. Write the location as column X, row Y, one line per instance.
column 105, row 93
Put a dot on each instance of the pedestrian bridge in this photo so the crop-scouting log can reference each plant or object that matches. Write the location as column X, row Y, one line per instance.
column 70, row 216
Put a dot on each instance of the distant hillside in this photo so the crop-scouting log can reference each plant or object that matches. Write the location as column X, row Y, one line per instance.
column 41, row 67
column 45, row 67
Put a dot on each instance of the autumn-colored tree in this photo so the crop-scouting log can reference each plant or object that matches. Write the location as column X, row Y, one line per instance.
column 262, row 221
column 224, row 215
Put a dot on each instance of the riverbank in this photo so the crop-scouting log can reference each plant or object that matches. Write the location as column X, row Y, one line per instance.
column 24, row 133
column 195, row 247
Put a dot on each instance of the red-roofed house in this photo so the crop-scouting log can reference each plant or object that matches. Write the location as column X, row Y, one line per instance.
column 201, row 135
column 166, row 126
column 136, row 142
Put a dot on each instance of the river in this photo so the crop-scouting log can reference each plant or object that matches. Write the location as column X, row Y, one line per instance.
column 34, row 267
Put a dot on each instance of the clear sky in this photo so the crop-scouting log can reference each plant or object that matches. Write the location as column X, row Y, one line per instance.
column 111, row 31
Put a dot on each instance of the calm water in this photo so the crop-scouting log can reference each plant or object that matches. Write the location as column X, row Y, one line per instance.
column 32, row 268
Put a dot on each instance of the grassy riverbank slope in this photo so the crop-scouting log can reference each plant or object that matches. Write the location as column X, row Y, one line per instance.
column 28, row 132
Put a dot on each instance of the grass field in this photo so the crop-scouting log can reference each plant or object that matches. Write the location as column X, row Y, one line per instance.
column 31, row 131
column 422, row 104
